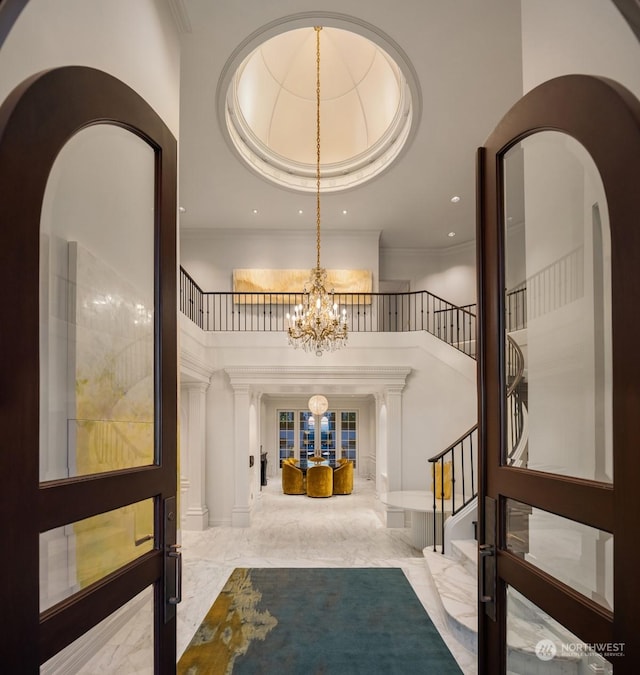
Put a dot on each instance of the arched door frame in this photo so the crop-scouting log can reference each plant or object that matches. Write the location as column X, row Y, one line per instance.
column 36, row 120
column 605, row 118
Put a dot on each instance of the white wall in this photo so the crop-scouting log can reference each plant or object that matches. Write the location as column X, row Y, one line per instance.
column 449, row 273
column 137, row 42
column 577, row 36
column 439, row 406
column 456, row 280
column 211, row 256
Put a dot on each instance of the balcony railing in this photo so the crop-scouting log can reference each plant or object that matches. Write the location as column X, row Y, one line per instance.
column 366, row 312
column 515, row 308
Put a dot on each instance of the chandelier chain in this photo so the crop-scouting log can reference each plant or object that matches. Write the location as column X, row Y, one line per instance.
column 316, row 324
column 318, row 29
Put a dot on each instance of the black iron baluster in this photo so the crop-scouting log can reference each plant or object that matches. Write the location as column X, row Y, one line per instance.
column 473, row 487
column 441, row 506
column 453, row 490
column 464, row 493
column 433, row 478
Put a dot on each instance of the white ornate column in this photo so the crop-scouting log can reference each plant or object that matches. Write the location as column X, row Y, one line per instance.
column 241, row 512
column 196, row 513
column 254, row 447
column 393, row 443
column 381, row 447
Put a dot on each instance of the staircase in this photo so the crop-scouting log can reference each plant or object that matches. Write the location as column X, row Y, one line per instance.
column 455, row 579
column 454, row 565
column 457, row 464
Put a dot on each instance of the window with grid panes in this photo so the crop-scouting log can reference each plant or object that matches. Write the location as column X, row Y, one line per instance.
column 349, row 435
column 307, row 434
column 333, row 435
column 328, row 436
column 286, row 434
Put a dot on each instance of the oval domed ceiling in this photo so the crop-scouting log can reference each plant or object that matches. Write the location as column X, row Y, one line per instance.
column 365, row 109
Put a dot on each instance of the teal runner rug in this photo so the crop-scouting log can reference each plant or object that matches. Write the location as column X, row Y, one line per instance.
column 295, row 621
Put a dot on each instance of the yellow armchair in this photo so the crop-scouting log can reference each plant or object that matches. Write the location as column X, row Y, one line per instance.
column 319, row 481
column 292, row 479
column 442, row 483
column 343, row 479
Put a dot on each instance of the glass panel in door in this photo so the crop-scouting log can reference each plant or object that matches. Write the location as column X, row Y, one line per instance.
column 577, row 555
column 97, row 306
column 78, row 554
column 537, row 643
column 98, row 387
column 558, row 301
column 128, row 650
column 558, row 373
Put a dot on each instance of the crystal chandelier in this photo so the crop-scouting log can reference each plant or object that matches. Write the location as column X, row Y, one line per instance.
column 316, row 324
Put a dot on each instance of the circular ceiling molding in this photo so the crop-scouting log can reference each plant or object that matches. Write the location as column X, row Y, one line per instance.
column 370, row 102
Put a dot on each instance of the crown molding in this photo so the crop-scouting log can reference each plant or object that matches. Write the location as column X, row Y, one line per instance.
column 335, row 379
column 440, row 250
column 193, row 369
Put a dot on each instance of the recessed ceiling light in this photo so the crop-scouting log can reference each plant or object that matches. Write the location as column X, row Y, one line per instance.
column 451, row 234
column 344, row 212
column 255, row 210
column 300, row 211
column 182, row 209
column 455, row 199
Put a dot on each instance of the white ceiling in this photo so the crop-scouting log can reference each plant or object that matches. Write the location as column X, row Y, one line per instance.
column 466, row 59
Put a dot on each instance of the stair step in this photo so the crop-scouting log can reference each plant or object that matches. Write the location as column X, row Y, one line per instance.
column 455, row 579
column 465, row 551
column 457, row 589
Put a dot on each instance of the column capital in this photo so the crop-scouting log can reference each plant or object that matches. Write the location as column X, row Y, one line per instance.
column 194, row 368
column 200, row 387
column 393, row 390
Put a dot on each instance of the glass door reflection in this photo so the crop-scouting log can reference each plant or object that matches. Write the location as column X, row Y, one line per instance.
column 558, row 309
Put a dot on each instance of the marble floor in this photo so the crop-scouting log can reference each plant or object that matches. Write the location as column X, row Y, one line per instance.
column 296, row 531
column 345, row 531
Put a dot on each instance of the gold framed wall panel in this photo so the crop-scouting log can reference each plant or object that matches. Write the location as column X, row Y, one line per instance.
column 281, row 283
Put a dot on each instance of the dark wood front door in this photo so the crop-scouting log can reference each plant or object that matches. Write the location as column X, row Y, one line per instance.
column 89, row 375
column 559, row 207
